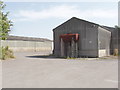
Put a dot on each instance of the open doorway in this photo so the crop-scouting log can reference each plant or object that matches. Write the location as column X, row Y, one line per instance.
column 69, row 45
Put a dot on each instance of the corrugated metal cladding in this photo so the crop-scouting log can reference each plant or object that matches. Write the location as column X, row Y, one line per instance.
column 94, row 40
column 114, row 38
column 119, row 41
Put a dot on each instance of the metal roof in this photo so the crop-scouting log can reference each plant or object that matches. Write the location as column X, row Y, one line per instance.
column 108, row 28
column 76, row 19
column 105, row 27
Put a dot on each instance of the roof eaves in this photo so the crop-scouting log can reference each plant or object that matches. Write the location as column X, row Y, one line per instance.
column 77, row 19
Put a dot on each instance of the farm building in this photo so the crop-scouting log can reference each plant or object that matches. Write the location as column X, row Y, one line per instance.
column 81, row 38
column 114, row 38
column 19, row 43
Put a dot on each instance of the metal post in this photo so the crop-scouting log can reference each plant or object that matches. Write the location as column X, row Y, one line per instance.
column 76, row 50
column 68, row 50
column 62, row 48
column 72, row 48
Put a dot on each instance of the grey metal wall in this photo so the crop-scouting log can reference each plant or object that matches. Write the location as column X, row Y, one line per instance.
column 104, row 41
column 17, row 45
column 119, row 41
column 88, row 45
column 114, row 38
column 114, row 41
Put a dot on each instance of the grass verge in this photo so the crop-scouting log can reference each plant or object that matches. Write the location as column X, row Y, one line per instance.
column 6, row 53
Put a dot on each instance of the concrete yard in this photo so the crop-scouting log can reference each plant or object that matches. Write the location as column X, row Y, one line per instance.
column 32, row 70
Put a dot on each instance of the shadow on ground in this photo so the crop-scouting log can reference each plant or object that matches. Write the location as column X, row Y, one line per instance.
column 39, row 56
column 80, row 58
column 44, row 56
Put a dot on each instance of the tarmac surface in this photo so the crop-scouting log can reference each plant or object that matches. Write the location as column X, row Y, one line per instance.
column 34, row 70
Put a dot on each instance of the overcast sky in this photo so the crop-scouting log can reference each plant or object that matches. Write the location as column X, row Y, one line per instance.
column 39, row 18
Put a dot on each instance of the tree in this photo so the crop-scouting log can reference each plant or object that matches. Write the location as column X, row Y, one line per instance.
column 117, row 27
column 5, row 23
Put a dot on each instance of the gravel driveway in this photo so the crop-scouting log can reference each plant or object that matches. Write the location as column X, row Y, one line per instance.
column 32, row 70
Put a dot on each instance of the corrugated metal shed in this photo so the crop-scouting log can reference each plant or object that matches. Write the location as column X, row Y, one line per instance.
column 94, row 39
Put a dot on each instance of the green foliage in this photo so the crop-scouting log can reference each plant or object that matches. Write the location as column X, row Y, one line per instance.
column 5, row 28
column 115, row 52
column 6, row 53
column 117, row 27
column 5, row 23
column 118, row 52
column 70, row 58
column 2, row 5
